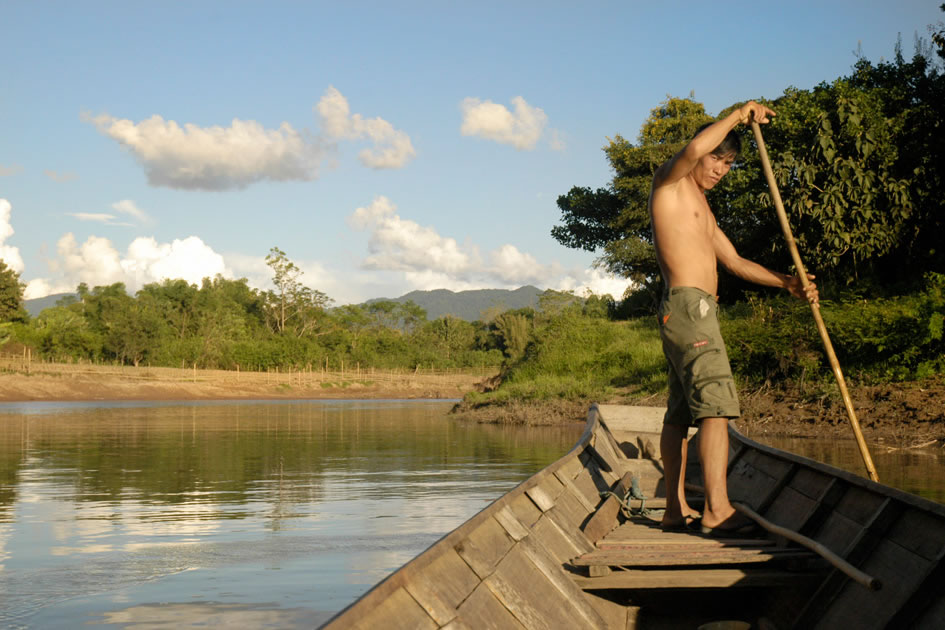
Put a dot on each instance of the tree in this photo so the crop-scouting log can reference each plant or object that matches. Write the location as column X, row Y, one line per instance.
column 615, row 219
column 859, row 163
column 11, row 296
column 292, row 308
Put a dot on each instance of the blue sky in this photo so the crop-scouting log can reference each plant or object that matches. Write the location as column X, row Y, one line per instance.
column 384, row 146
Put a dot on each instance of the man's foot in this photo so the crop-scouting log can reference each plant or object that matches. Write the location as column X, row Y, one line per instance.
column 735, row 526
column 690, row 522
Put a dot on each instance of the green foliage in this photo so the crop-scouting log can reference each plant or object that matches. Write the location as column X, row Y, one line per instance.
column 860, row 165
column 11, row 296
column 878, row 339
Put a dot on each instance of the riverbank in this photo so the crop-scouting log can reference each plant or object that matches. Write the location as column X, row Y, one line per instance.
column 900, row 415
column 58, row 387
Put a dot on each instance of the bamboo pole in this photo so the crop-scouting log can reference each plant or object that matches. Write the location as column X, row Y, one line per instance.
column 814, row 307
column 836, row 561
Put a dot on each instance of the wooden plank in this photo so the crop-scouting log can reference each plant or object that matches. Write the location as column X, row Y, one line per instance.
column 484, row 547
column 572, row 511
column 578, row 494
column 399, row 610
column 690, row 557
column 590, row 485
column 695, row 545
column 570, row 468
column 553, row 572
column 832, row 494
column 510, row 523
column 547, row 533
column 858, row 546
column 545, row 492
column 443, row 585
column 811, row 483
column 860, row 504
column 482, row 610
column 763, row 503
column 525, row 510
column 926, row 604
column 921, row 533
column 528, row 595
column 569, row 530
column 605, row 518
column 855, row 607
column 613, row 614
column 790, row 509
column 696, row 579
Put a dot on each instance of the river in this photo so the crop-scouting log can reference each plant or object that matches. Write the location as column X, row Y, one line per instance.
column 256, row 514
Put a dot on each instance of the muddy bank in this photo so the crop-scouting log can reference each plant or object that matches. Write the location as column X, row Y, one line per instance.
column 905, row 414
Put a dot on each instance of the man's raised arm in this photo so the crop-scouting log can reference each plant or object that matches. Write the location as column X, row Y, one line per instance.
column 707, row 140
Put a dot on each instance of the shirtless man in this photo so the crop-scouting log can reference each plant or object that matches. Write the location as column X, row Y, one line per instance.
column 689, row 246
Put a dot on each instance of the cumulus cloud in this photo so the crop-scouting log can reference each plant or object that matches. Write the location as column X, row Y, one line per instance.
column 60, row 177
column 392, row 147
column 213, row 158
column 187, row 156
column 427, row 260
column 9, row 254
column 7, row 171
column 97, row 262
column 522, row 128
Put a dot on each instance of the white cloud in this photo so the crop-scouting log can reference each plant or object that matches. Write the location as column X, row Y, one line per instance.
column 521, row 129
column 392, row 148
column 60, row 177
column 98, row 217
column 127, row 206
column 9, row 254
column 97, row 262
column 213, row 158
column 403, row 245
column 428, row 260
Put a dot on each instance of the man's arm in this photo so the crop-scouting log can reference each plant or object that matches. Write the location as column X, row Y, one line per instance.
column 705, row 142
column 753, row 272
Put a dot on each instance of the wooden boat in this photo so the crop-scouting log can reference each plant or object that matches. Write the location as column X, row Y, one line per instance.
column 556, row 553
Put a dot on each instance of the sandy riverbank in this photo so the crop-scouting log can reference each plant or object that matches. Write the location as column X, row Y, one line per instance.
column 19, row 387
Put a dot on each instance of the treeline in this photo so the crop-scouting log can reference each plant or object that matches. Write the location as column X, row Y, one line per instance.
column 225, row 323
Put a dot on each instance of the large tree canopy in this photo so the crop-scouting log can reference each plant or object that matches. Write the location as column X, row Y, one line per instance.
column 859, row 164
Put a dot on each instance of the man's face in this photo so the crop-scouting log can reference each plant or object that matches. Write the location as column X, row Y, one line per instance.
column 712, row 168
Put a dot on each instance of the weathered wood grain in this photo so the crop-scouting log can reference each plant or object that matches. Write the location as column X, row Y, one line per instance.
column 443, row 586
column 485, row 547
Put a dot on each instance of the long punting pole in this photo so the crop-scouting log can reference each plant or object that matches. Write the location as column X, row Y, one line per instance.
column 814, row 307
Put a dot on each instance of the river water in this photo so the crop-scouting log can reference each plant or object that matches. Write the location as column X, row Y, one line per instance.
column 257, row 514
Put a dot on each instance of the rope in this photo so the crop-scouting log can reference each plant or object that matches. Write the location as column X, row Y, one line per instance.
column 624, row 502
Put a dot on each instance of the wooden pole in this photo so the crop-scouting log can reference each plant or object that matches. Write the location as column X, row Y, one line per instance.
column 814, row 307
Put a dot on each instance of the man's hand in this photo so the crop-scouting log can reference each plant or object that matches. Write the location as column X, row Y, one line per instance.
column 754, row 111
column 796, row 289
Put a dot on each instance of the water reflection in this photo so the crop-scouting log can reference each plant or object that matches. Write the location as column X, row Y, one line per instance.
column 917, row 471
column 239, row 511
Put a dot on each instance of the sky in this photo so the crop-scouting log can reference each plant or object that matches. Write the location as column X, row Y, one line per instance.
column 383, row 146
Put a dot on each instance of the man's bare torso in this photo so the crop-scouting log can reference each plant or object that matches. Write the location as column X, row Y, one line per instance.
column 683, row 232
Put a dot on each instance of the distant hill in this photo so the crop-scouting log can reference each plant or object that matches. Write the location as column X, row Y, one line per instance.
column 35, row 306
column 469, row 305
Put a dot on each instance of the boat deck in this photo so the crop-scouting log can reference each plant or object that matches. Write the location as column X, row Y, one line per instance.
column 639, row 555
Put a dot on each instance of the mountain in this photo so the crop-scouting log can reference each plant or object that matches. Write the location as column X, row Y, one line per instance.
column 35, row 306
column 469, row 305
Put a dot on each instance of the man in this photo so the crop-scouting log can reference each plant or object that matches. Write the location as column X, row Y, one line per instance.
column 689, row 247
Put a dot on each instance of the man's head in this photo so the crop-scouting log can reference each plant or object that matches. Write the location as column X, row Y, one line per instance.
column 714, row 166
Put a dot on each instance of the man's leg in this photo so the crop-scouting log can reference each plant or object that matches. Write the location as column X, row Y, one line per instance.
column 674, row 448
column 713, row 451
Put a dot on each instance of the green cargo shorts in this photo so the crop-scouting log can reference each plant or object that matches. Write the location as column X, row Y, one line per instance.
column 700, row 377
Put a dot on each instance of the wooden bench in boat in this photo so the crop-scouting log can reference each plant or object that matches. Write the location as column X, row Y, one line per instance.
column 639, row 555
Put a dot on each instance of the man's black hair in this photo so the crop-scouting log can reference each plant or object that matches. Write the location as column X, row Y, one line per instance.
column 731, row 144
